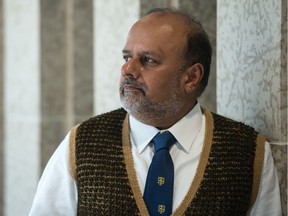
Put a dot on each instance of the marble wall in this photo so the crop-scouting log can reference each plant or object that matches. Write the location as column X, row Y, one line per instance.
column 252, row 71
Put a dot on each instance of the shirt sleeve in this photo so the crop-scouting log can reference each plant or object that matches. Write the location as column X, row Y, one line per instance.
column 56, row 192
column 268, row 199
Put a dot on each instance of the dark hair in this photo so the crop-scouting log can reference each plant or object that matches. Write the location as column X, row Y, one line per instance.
column 198, row 48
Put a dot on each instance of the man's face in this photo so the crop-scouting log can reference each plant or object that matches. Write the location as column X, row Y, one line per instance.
column 150, row 84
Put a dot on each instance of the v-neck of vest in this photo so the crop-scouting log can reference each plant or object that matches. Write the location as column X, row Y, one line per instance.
column 199, row 172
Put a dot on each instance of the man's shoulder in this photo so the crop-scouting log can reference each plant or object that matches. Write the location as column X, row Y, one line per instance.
column 229, row 123
column 107, row 117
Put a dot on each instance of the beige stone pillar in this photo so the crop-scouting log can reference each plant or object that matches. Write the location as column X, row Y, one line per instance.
column 252, row 71
column 112, row 21
column 21, row 110
column 146, row 5
column 205, row 12
column 66, row 69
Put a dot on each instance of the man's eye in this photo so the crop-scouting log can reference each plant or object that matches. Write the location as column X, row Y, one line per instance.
column 148, row 60
column 126, row 58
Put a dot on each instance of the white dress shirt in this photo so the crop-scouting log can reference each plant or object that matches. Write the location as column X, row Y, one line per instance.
column 57, row 191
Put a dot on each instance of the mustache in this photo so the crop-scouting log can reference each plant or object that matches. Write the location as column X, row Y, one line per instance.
column 133, row 82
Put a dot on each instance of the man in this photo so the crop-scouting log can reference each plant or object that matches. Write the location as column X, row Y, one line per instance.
column 221, row 167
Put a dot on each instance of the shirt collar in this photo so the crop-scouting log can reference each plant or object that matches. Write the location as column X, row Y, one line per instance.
column 185, row 130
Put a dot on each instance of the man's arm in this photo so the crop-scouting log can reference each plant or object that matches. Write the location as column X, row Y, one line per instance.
column 268, row 200
column 56, row 192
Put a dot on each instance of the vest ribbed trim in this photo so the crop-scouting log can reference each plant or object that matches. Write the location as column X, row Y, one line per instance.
column 72, row 160
column 196, row 181
column 258, row 165
column 202, row 164
column 131, row 169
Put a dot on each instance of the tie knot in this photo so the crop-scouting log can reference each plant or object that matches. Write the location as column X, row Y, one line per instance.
column 163, row 141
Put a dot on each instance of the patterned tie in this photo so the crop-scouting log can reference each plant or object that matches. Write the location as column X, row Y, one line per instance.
column 158, row 193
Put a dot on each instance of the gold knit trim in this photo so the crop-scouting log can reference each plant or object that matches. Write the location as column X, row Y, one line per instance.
column 131, row 169
column 258, row 165
column 201, row 166
column 72, row 155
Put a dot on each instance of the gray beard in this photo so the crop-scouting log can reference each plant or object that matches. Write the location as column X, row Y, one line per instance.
column 144, row 109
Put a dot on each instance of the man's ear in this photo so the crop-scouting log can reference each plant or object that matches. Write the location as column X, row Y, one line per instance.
column 193, row 77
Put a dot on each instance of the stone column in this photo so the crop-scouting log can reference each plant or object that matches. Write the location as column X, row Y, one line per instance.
column 82, row 84
column 252, row 71
column 112, row 21
column 21, row 86
column 54, row 78
column 205, row 12
column 66, row 68
column 146, row 5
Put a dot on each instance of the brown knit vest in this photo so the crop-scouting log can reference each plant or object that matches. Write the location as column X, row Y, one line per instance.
column 106, row 188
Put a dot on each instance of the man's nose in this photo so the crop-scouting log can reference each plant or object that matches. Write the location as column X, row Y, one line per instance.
column 131, row 68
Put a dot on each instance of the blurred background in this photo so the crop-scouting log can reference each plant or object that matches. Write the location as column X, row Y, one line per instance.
column 60, row 63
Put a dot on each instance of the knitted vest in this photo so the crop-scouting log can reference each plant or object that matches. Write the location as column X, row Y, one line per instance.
column 226, row 181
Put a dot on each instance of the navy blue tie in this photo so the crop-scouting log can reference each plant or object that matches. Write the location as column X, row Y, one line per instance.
column 158, row 193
